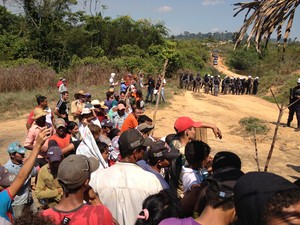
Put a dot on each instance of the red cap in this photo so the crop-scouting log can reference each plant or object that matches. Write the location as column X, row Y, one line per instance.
column 183, row 123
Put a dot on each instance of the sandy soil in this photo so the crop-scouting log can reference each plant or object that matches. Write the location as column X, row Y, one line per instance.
column 225, row 111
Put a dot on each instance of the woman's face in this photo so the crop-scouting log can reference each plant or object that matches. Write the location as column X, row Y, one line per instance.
column 75, row 130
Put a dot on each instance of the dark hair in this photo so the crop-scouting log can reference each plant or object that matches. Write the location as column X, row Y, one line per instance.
column 139, row 93
column 102, row 146
column 70, row 126
column 196, row 151
column 144, row 119
column 28, row 217
column 122, row 102
column 123, row 92
column 280, row 200
column 160, row 206
column 108, row 95
column 215, row 201
column 40, row 99
column 113, row 133
column 64, row 92
column 153, row 160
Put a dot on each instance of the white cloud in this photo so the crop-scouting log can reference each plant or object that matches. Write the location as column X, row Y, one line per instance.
column 212, row 2
column 164, row 9
column 214, row 30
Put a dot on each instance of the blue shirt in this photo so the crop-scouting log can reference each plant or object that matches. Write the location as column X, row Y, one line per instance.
column 146, row 167
column 5, row 204
column 23, row 194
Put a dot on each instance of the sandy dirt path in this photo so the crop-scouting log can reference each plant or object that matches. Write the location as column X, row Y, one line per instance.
column 225, row 111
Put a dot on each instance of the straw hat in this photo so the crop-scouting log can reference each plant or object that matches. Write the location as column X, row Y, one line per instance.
column 38, row 112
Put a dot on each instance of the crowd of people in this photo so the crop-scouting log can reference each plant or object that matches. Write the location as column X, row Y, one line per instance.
column 211, row 84
column 99, row 163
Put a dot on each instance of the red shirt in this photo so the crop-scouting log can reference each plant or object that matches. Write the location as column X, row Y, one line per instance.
column 61, row 142
column 59, row 83
column 84, row 214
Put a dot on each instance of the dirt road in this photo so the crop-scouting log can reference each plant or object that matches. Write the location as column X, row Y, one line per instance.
column 225, row 111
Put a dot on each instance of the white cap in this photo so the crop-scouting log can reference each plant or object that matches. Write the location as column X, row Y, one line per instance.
column 256, row 78
column 112, row 74
column 95, row 102
column 298, row 81
column 249, row 76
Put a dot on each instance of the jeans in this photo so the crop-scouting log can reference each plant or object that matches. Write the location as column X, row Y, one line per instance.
column 150, row 93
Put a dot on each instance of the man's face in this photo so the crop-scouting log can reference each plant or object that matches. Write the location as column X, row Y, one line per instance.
column 17, row 158
column 137, row 113
column 82, row 98
column 61, row 132
column 121, row 112
column 191, row 133
column 122, row 96
column 54, row 168
column 44, row 104
column 66, row 96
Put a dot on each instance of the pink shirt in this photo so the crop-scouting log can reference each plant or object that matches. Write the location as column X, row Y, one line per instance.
column 32, row 135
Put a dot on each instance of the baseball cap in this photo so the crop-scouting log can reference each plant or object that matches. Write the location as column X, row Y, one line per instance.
column 131, row 139
column 38, row 112
column 59, row 122
column 161, row 148
column 121, row 106
column 106, row 123
column 95, row 102
column 16, row 147
column 75, row 169
column 225, row 159
column 54, row 154
column 144, row 127
column 183, row 123
column 6, row 177
column 222, row 182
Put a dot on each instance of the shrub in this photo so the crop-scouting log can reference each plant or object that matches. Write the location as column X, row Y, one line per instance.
column 253, row 124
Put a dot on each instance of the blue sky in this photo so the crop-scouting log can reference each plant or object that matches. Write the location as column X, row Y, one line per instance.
column 181, row 15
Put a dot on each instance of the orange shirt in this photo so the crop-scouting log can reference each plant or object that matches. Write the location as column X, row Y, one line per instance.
column 129, row 123
column 61, row 142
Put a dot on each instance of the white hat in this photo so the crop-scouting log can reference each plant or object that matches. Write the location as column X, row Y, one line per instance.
column 298, row 81
column 249, row 76
column 112, row 74
column 86, row 111
column 95, row 102
column 256, row 78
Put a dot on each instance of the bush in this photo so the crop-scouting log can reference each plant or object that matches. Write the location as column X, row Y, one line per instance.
column 254, row 125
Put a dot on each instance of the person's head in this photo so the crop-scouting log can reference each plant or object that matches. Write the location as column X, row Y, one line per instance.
column 145, row 119
column 74, row 173
column 160, row 154
column 121, row 109
column 226, row 159
column 137, row 112
column 54, row 158
column 113, row 133
column 122, row 95
column 185, row 127
column 87, row 114
column 158, row 207
column 263, row 198
column 42, row 101
column 106, row 125
column 139, row 94
column 219, row 192
column 65, row 95
column 39, row 115
column 29, row 217
column 16, row 152
column 103, row 148
column 80, row 95
column 298, row 81
column 60, row 127
column 145, row 129
column 64, row 81
column 95, row 130
column 72, row 128
column 131, row 145
column 108, row 95
column 196, row 154
column 6, row 178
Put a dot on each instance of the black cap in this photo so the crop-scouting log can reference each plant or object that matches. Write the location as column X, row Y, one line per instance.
column 131, row 139
column 161, row 148
column 226, row 159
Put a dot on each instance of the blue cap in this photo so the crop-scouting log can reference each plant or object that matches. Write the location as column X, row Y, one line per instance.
column 16, row 147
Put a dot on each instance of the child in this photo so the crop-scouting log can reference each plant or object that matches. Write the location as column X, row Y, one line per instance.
column 197, row 157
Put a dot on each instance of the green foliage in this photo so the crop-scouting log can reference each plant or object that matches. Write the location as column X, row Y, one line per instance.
column 242, row 59
column 254, row 125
